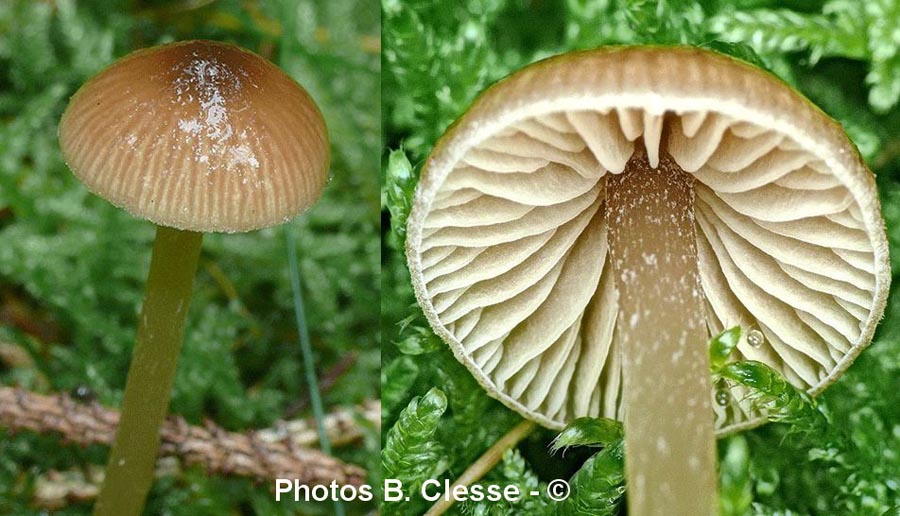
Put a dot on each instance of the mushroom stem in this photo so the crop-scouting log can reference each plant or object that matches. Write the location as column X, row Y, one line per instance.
column 669, row 435
column 130, row 469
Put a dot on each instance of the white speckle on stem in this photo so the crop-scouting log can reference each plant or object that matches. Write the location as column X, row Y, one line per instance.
column 633, row 321
column 661, row 445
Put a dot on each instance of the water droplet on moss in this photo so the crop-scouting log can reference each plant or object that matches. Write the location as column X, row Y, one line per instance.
column 755, row 338
column 722, row 398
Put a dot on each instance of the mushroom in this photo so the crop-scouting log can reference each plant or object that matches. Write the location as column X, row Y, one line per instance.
column 195, row 136
column 581, row 232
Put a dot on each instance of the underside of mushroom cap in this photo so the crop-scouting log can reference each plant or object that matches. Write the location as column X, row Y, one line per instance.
column 198, row 135
column 507, row 239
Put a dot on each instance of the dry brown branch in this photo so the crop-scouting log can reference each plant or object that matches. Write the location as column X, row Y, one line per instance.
column 343, row 426
column 251, row 454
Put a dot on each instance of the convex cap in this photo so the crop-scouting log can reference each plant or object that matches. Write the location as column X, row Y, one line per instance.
column 507, row 242
column 198, row 135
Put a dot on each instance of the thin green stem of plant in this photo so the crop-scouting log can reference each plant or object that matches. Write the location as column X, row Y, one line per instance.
column 484, row 464
column 290, row 47
column 312, row 382
column 132, row 461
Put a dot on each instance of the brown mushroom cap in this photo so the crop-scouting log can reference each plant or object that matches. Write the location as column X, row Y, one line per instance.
column 198, row 135
column 507, row 238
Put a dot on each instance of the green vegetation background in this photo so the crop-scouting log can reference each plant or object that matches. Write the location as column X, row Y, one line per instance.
column 843, row 54
column 72, row 267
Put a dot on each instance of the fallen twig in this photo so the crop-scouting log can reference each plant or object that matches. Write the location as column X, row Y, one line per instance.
column 327, row 380
column 342, row 425
column 257, row 454
column 483, row 465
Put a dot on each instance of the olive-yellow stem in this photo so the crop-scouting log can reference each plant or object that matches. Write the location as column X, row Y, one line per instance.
column 130, row 470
